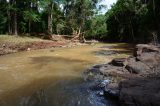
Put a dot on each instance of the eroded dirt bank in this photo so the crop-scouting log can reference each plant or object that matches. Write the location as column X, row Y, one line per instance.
column 10, row 47
column 133, row 81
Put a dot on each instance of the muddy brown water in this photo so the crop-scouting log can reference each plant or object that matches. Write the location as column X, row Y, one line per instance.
column 53, row 77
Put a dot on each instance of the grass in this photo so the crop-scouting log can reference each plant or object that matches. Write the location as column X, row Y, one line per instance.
column 18, row 39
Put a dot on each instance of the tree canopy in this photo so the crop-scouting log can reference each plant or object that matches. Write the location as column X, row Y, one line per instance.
column 133, row 20
column 46, row 16
column 127, row 20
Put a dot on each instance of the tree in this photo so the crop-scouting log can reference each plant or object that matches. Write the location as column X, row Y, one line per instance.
column 96, row 28
column 77, row 13
column 124, row 20
column 3, row 16
column 49, row 16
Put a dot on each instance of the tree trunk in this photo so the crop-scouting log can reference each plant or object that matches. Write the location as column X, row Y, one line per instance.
column 9, row 19
column 29, row 26
column 50, row 19
column 14, row 19
column 15, row 24
column 154, row 8
column 9, row 22
column 132, row 31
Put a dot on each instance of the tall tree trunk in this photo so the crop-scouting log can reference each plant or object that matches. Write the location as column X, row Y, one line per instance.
column 29, row 26
column 15, row 32
column 132, row 30
column 154, row 8
column 9, row 22
column 50, row 19
column 14, row 20
column 9, row 19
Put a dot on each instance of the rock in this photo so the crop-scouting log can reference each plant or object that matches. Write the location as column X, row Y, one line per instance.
column 97, row 66
column 104, row 83
column 142, row 48
column 135, row 80
column 101, row 93
column 137, row 67
column 140, row 92
column 109, row 70
column 93, row 70
column 152, row 59
column 3, row 45
column 130, row 60
column 113, row 94
column 101, row 85
column 112, row 91
column 118, row 62
column 28, row 49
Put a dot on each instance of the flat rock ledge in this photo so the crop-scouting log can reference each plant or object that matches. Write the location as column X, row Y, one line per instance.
column 133, row 81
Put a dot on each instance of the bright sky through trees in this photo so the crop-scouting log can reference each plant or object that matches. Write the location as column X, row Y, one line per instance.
column 108, row 3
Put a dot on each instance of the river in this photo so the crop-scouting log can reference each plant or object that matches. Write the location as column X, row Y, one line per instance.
column 53, row 77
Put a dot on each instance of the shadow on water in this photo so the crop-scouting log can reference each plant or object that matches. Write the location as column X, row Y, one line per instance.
column 62, row 92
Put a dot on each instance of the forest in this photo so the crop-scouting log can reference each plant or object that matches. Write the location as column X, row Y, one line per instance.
column 79, row 53
column 127, row 20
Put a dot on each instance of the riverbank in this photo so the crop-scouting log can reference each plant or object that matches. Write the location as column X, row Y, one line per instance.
column 133, row 81
column 13, row 44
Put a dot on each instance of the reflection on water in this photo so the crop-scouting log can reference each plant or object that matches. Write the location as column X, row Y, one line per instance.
column 52, row 77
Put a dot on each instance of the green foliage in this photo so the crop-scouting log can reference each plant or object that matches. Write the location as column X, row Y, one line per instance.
column 78, row 12
column 67, row 17
column 133, row 20
column 96, row 27
column 31, row 16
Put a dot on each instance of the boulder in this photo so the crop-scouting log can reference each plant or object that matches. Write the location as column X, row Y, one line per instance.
column 118, row 62
column 137, row 68
column 152, row 59
column 113, row 94
column 110, row 70
column 100, row 86
column 112, row 91
column 142, row 48
column 140, row 92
